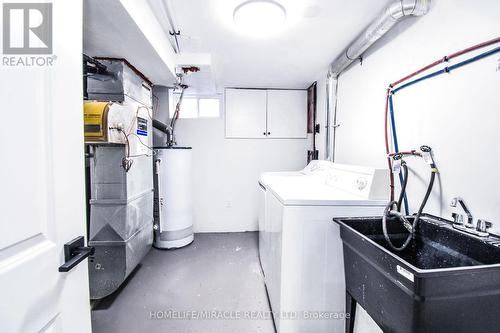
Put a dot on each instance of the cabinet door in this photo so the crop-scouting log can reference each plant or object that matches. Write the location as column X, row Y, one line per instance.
column 287, row 114
column 245, row 113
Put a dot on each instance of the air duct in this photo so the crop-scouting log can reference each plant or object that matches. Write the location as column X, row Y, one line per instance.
column 392, row 14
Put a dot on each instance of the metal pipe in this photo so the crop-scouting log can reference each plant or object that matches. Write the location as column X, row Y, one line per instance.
column 448, row 69
column 160, row 126
column 171, row 141
column 331, row 114
column 446, row 58
column 165, row 6
column 392, row 87
column 392, row 14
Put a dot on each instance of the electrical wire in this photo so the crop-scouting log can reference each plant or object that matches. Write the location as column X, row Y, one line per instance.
column 148, row 109
column 126, row 161
column 129, row 131
column 142, row 143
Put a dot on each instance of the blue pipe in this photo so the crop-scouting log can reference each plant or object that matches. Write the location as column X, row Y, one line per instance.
column 396, row 147
column 447, row 69
column 423, row 78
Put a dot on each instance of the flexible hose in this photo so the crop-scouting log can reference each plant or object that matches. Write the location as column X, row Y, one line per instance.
column 413, row 74
column 388, row 212
column 431, row 75
column 427, row 195
column 403, row 186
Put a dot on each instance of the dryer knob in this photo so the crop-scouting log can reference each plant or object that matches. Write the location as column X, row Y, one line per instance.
column 361, row 183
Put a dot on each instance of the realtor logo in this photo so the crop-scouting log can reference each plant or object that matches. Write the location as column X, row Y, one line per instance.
column 27, row 28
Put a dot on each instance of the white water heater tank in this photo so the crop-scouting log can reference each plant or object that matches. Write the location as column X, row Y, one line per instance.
column 173, row 197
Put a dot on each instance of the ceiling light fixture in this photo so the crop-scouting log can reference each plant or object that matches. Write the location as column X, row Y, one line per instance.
column 259, row 18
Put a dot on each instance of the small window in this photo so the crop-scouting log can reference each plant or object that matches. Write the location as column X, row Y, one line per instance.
column 195, row 107
column 189, row 107
column 209, row 108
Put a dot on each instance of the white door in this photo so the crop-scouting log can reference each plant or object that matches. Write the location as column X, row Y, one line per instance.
column 42, row 194
column 287, row 114
column 245, row 113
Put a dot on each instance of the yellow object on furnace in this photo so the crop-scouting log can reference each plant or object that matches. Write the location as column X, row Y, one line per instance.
column 95, row 120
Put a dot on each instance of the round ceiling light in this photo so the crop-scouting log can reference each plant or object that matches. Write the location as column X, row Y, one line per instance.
column 259, row 18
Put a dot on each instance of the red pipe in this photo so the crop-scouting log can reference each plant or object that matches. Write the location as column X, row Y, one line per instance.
column 412, row 153
column 409, row 76
column 387, row 148
column 423, row 69
column 475, row 47
column 446, row 58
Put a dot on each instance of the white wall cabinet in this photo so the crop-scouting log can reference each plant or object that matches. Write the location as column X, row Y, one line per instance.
column 287, row 113
column 262, row 114
column 245, row 113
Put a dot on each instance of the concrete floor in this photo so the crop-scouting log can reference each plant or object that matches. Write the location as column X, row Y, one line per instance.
column 218, row 272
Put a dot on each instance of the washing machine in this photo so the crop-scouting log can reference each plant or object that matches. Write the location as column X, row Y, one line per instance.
column 315, row 168
column 300, row 246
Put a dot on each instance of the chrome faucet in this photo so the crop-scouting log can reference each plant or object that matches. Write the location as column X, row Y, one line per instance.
column 458, row 220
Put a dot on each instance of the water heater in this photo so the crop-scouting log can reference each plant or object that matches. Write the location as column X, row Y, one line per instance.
column 173, row 223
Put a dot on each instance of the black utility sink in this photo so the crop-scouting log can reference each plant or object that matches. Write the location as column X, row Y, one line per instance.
column 446, row 280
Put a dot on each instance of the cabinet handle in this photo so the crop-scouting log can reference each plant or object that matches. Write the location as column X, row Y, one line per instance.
column 268, row 133
column 263, row 133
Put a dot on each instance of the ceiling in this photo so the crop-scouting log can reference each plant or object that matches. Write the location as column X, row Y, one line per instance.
column 316, row 32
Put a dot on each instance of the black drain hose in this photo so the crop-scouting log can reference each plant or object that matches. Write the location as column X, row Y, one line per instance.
column 403, row 186
column 427, row 194
column 388, row 212
column 402, row 218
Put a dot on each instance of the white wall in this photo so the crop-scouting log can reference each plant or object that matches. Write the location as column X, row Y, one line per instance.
column 457, row 114
column 226, row 172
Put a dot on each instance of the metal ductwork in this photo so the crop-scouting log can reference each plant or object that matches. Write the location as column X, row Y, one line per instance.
column 392, row 14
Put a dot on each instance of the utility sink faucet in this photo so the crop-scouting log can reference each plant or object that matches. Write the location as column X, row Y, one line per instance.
column 457, row 217
column 481, row 229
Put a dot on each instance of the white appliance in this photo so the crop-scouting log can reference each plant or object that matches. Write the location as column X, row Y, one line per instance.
column 173, row 226
column 300, row 246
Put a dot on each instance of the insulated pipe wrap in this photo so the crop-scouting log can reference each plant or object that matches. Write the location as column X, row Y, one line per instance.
column 396, row 10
